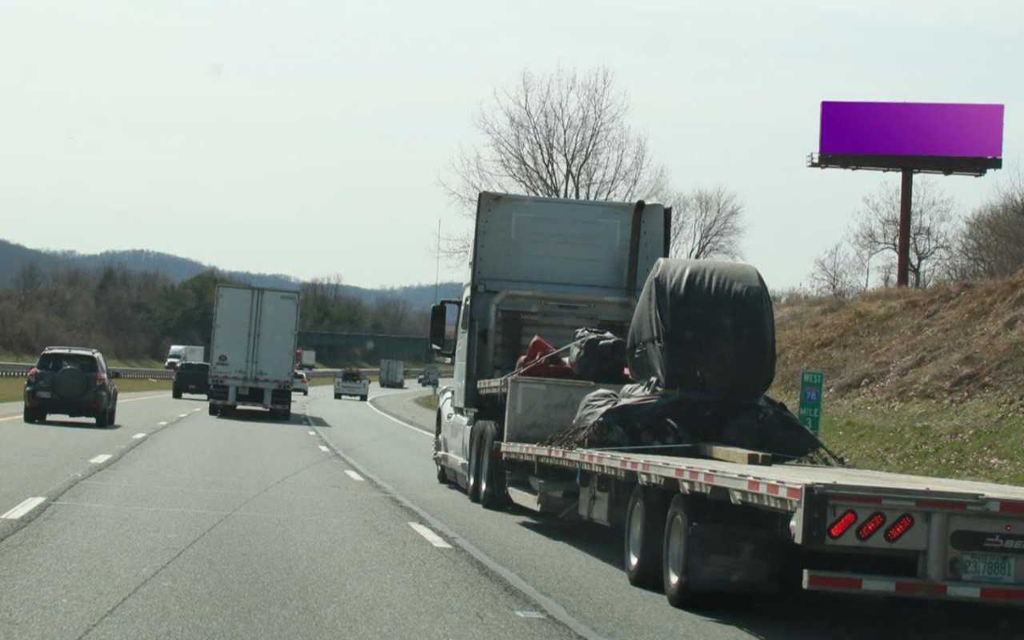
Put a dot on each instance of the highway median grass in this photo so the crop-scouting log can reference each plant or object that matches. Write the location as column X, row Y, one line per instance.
column 428, row 401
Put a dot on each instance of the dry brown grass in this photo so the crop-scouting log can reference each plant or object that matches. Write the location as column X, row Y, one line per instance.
column 925, row 372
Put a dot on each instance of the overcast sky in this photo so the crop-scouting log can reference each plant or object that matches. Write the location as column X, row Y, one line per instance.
column 308, row 137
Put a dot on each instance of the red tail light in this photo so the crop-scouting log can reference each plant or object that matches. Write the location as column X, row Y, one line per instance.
column 101, row 379
column 842, row 525
column 870, row 526
column 902, row 525
column 33, row 373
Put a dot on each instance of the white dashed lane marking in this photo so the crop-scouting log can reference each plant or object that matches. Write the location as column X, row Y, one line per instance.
column 430, row 536
column 23, row 508
column 100, row 459
column 324, row 449
column 138, row 436
column 161, row 424
column 352, row 474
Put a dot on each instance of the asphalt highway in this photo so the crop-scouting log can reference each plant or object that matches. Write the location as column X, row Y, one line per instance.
column 334, row 526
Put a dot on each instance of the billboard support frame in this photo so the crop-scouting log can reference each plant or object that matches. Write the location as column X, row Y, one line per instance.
column 951, row 139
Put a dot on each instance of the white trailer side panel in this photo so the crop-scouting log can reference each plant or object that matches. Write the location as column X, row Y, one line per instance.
column 230, row 350
column 278, row 321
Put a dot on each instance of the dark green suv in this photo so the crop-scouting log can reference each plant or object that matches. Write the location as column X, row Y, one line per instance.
column 191, row 377
column 71, row 381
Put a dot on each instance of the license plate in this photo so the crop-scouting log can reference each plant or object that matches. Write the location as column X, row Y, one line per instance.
column 986, row 567
column 43, row 394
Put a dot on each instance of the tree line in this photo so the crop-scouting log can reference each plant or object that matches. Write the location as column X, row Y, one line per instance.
column 132, row 315
column 945, row 244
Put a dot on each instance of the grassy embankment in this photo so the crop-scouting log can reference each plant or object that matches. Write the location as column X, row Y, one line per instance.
column 926, row 382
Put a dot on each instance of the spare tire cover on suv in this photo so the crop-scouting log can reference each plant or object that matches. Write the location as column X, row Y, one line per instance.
column 70, row 383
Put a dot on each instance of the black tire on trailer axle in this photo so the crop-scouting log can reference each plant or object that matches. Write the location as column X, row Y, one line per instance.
column 676, row 563
column 642, row 540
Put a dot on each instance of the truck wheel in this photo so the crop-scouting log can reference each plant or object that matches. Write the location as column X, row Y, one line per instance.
column 337, row 396
column 442, row 476
column 176, row 394
column 492, row 481
column 473, row 477
column 645, row 526
column 306, row 392
column 29, row 416
column 362, row 398
column 103, row 420
column 113, row 415
column 676, row 565
column 213, row 410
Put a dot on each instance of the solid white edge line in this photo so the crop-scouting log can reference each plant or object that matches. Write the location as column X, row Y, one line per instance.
column 352, row 474
column 138, row 436
column 324, row 449
column 401, row 422
column 100, row 459
column 26, row 505
column 430, row 536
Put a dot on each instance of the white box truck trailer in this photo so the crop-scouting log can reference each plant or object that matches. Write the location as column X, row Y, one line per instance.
column 179, row 353
column 252, row 349
column 392, row 374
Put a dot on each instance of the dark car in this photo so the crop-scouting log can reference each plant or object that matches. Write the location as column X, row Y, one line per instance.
column 71, row 381
column 191, row 377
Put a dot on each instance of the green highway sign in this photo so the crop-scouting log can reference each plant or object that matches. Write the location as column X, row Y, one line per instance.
column 811, row 383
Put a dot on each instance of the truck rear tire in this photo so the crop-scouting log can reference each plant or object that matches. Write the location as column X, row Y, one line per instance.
column 362, row 398
column 643, row 538
column 337, row 396
column 676, row 565
column 29, row 416
column 473, row 476
column 492, row 485
column 214, row 410
column 176, row 394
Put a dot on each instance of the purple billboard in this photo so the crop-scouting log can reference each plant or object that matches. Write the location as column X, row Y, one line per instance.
column 912, row 129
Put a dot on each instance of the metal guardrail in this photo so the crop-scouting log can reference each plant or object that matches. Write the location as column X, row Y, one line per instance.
column 19, row 370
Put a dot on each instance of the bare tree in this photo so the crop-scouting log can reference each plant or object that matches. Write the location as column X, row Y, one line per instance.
column 706, row 223
column 561, row 135
column 991, row 242
column 931, row 226
column 833, row 272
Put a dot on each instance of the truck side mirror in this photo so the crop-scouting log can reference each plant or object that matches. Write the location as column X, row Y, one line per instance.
column 439, row 316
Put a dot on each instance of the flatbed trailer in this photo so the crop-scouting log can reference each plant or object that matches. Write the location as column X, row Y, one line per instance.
column 750, row 527
column 953, row 525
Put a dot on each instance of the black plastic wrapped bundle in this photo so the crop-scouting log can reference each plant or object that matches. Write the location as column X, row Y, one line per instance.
column 704, row 328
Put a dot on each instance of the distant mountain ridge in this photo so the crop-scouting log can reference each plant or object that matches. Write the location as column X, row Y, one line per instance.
column 13, row 257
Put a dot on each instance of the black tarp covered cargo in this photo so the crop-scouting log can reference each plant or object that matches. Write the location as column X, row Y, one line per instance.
column 598, row 356
column 704, row 328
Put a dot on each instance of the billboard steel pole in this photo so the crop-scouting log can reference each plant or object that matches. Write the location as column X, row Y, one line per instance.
column 903, row 249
